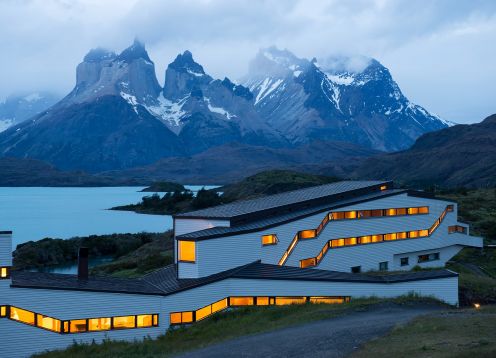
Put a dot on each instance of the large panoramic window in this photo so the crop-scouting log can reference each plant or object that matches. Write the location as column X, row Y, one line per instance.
column 80, row 325
column 351, row 215
column 187, row 251
column 204, row 312
column 368, row 239
column 269, row 239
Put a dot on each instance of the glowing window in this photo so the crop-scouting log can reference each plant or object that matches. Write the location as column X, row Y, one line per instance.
column 424, row 210
column 383, row 187
column 21, row 315
column 413, row 211
column 401, row 235
column 280, row 301
column 308, row 262
column 262, row 301
column 219, row 305
column 144, row 320
column 77, row 325
column 328, row 300
column 413, row 234
column 350, row 241
column 338, row 215
column 365, row 239
column 241, row 301
column 390, row 212
column 376, row 238
column 124, row 322
column 350, row 215
column 450, row 208
column 3, row 311
column 269, row 239
column 337, row 243
column 423, row 233
column 401, row 211
column 175, row 318
column 376, row 213
column 155, row 319
column 49, row 323
column 99, row 324
column 203, row 312
column 306, row 234
column 389, row 237
column 187, row 251
column 187, row 317
column 4, row 272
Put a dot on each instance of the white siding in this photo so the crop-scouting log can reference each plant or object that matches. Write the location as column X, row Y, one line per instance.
column 5, row 250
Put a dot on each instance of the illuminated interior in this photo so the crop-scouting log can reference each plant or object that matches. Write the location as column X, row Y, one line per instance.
column 349, row 215
column 368, row 239
column 457, row 228
column 4, row 272
column 204, row 312
column 78, row 325
column 269, row 239
column 187, row 251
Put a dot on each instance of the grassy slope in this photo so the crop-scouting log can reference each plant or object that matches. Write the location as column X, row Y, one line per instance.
column 224, row 326
column 466, row 333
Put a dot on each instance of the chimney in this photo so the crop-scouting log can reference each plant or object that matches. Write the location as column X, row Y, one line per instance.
column 83, row 263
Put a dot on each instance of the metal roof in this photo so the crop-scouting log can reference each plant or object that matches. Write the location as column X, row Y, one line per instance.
column 165, row 282
column 270, row 221
column 287, row 200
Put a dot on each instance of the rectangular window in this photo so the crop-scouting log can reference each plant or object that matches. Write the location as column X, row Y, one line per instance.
column 99, row 324
column 390, row 212
column 262, row 301
column 383, row 266
column 428, row 257
column 280, row 301
column 269, row 239
column 219, row 305
column 187, row 251
column 404, row 261
column 338, row 215
column 144, row 320
column 401, row 211
column 413, row 234
column 401, row 235
column 376, row 213
column 20, row 315
column 49, row 323
column 450, row 208
column 3, row 311
column 364, row 214
column 78, row 325
column 337, row 243
column 328, row 300
column 365, row 239
column 413, row 211
column 241, row 301
column 203, row 312
column 124, row 322
column 350, row 241
column 350, row 215
column 389, row 237
column 306, row 234
column 308, row 262
column 356, row 269
column 423, row 233
column 383, row 187
column 424, row 210
column 377, row 238
column 4, row 272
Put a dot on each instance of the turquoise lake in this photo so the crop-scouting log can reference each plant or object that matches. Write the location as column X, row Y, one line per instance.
column 36, row 213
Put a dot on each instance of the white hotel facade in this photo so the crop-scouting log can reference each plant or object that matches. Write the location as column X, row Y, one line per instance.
column 310, row 245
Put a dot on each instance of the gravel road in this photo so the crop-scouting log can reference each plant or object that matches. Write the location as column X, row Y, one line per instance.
column 336, row 337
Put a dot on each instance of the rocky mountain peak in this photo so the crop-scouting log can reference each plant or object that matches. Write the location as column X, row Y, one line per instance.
column 185, row 63
column 274, row 62
column 135, row 51
column 99, row 54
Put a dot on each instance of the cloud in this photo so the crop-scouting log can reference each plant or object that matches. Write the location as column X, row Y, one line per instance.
column 439, row 51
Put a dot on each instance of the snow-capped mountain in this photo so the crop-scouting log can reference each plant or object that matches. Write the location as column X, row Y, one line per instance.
column 118, row 116
column 17, row 108
column 347, row 99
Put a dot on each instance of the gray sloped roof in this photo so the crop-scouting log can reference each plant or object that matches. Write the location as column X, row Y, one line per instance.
column 273, row 220
column 165, row 282
column 288, row 199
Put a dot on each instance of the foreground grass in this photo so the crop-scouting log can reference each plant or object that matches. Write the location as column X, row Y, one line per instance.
column 465, row 333
column 227, row 325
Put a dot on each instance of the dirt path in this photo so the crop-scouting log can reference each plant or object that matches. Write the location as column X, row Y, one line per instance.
column 336, row 337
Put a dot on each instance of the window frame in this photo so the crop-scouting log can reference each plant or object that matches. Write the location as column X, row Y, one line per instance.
column 274, row 238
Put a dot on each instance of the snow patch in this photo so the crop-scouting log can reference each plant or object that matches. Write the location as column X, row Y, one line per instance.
column 197, row 74
column 344, row 79
column 266, row 88
column 297, row 73
column 219, row 110
column 131, row 100
column 169, row 112
column 33, row 97
column 5, row 124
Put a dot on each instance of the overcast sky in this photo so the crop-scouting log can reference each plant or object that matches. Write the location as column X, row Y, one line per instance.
column 442, row 53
